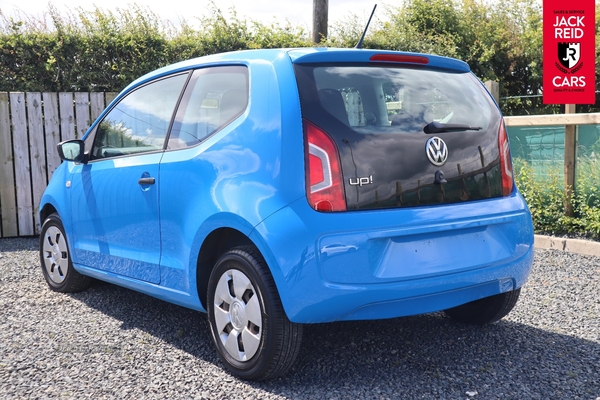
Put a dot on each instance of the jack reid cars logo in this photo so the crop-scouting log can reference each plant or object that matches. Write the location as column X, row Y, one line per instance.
column 437, row 151
column 569, row 52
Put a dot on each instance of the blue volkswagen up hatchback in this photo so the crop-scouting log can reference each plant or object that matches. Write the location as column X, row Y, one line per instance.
column 276, row 188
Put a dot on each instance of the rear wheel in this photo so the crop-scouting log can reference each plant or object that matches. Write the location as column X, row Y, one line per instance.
column 55, row 259
column 486, row 310
column 254, row 338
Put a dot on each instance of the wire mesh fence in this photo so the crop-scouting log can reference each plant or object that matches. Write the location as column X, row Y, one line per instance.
column 543, row 149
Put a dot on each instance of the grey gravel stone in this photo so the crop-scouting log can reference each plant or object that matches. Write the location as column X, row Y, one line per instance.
column 113, row 343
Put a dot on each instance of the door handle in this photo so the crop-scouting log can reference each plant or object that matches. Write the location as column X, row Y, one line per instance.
column 146, row 181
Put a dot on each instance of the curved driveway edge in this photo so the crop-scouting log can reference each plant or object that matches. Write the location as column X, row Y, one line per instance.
column 579, row 246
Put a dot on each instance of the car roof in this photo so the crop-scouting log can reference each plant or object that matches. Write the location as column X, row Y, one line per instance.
column 309, row 55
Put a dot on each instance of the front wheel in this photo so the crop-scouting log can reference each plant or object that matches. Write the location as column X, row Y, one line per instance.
column 55, row 259
column 254, row 338
column 486, row 310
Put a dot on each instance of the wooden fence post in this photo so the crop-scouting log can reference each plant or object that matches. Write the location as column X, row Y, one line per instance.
column 37, row 153
column 20, row 147
column 570, row 156
column 494, row 88
column 8, row 202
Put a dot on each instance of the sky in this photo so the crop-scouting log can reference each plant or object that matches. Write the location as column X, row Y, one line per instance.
column 298, row 12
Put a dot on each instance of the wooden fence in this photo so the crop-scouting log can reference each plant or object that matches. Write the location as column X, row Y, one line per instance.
column 31, row 125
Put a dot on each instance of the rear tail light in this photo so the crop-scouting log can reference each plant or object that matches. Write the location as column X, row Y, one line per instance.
column 324, row 185
column 505, row 161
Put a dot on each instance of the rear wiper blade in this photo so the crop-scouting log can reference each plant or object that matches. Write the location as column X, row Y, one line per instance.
column 438, row 127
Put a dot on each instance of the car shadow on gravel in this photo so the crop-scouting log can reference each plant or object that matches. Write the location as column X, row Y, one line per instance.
column 181, row 327
column 410, row 355
column 426, row 352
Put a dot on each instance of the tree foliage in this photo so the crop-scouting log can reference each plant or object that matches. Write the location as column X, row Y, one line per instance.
column 501, row 41
column 101, row 50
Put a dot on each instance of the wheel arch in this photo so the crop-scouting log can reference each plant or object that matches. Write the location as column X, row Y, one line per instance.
column 56, row 199
column 46, row 211
column 214, row 246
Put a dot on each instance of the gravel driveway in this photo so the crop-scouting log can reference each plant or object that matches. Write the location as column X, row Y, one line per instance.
column 110, row 342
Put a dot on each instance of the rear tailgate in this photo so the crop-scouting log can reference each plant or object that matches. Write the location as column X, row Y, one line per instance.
column 406, row 133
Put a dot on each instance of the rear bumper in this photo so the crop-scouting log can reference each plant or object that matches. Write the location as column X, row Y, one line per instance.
column 391, row 263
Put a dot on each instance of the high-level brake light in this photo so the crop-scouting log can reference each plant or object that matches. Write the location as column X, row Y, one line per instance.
column 400, row 58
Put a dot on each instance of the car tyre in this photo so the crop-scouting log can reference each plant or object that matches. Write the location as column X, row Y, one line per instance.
column 55, row 259
column 486, row 310
column 253, row 336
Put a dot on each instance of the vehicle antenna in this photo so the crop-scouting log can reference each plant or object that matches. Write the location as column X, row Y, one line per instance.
column 360, row 42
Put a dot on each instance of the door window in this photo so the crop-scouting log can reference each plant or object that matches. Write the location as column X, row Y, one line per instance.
column 140, row 121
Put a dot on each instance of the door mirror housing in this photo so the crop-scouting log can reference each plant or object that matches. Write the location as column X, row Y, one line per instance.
column 72, row 150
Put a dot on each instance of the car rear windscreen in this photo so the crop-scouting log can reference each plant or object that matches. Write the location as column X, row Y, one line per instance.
column 382, row 118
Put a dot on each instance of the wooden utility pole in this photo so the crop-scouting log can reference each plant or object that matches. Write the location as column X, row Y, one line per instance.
column 570, row 155
column 320, row 15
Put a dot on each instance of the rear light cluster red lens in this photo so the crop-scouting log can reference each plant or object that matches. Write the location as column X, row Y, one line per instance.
column 505, row 161
column 324, row 185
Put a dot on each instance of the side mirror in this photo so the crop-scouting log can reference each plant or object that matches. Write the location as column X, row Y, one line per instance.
column 72, row 150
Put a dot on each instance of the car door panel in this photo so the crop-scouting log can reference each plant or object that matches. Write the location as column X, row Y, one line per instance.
column 116, row 219
column 116, row 195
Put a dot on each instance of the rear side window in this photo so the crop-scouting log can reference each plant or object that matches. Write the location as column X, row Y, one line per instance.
column 214, row 97
column 377, row 97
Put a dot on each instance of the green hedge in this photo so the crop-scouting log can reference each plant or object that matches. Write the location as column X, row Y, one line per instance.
column 104, row 51
column 546, row 197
